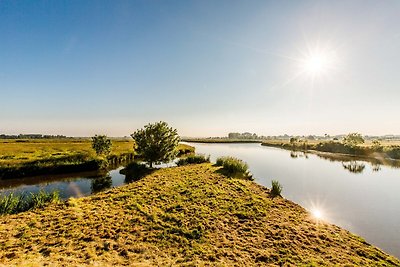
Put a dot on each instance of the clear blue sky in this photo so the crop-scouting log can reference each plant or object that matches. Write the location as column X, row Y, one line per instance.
column 206, row 67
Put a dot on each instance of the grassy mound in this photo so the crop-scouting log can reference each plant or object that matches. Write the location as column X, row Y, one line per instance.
column 190, row 215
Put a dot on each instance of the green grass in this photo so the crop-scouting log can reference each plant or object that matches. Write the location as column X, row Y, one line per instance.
column 11, row 204
column 276, row 188
column 193, row 159
column 19, row 158
column 182, row 216
column 234, row 167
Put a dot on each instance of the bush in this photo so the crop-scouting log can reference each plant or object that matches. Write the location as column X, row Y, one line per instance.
column 11, row 204
column 393, row 152
column 276, row 188
column 193, row 159
column 234, row 167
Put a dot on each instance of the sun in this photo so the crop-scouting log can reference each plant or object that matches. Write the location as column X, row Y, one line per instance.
column 317, row 214
column 317, row 62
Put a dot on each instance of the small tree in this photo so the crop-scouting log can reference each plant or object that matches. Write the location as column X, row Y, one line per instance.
column 101, row 144
column 353, row 139
column 156, row 143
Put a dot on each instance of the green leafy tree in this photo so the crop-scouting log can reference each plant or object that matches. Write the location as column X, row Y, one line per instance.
column 156, row 142
column 101, row 144
column 353, row 139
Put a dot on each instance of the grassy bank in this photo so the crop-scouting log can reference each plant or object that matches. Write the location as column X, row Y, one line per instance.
column 190, row 215
column 220, row 140
column 20, row 158
column 391, row 151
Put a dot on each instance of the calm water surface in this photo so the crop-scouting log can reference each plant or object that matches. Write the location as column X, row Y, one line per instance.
column 356, row 195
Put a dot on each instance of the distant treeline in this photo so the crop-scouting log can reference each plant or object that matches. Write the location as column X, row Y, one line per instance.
column 245, row 135
column 32, row 136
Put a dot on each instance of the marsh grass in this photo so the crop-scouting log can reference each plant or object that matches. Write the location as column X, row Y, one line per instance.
column 234, row 167
column 276, row 188
column 12, row 203
column 193, row 159
column 19, row 158
column 388, row 149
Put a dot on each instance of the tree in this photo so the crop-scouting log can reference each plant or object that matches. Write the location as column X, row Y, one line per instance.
column 156, row 143
column 101, row 144
column 353, row 139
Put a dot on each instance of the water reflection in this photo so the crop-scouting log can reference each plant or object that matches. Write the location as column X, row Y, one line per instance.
column 376, row 167
column 135, row 171
column 375, row 163
column 297, row 154
column 101, row 183
column 354, row 166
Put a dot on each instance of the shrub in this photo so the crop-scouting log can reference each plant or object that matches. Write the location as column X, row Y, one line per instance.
column 393, row 152
column 234, row 167
column 193, row 159
column 276, row 188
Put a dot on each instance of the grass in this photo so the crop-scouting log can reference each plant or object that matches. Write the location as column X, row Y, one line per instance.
column 389, row 150
column 11, row 204
column 193, row 159
column 182, row 216
column 276, row 188
column 234, row 167
column 20, row 158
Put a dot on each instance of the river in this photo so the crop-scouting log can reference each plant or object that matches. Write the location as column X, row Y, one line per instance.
column 360, row 196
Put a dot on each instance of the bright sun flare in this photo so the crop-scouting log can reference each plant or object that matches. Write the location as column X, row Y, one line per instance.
column 315, row 64
column 317, row 213
column 318, row 62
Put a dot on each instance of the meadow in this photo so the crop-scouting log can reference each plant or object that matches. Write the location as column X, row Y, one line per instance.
column 26, row 157
column 183, row 216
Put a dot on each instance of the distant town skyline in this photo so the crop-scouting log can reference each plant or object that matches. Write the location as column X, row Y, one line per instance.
column 79, row 68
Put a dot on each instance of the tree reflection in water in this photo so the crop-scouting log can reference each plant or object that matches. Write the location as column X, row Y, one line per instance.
column 295, row 154
column 101, row 183
column 354, row 166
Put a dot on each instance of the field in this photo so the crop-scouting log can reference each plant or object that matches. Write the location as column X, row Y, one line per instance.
column 14, row 152
column 20, row 158
column 188, row 216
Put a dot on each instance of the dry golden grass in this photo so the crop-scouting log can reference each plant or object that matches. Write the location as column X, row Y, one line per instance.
column 188, row 216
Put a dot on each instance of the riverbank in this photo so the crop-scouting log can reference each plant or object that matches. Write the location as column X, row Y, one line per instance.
column 190, row 215
column 386, row 152
column 219, row 140
column 22, row 158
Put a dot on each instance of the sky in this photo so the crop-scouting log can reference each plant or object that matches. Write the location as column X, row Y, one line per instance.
column 207, row 68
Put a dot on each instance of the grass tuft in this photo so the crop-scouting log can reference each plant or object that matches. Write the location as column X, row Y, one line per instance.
column 234, row 167
column 11, row 203
column 276, row 189
column 193, row 159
